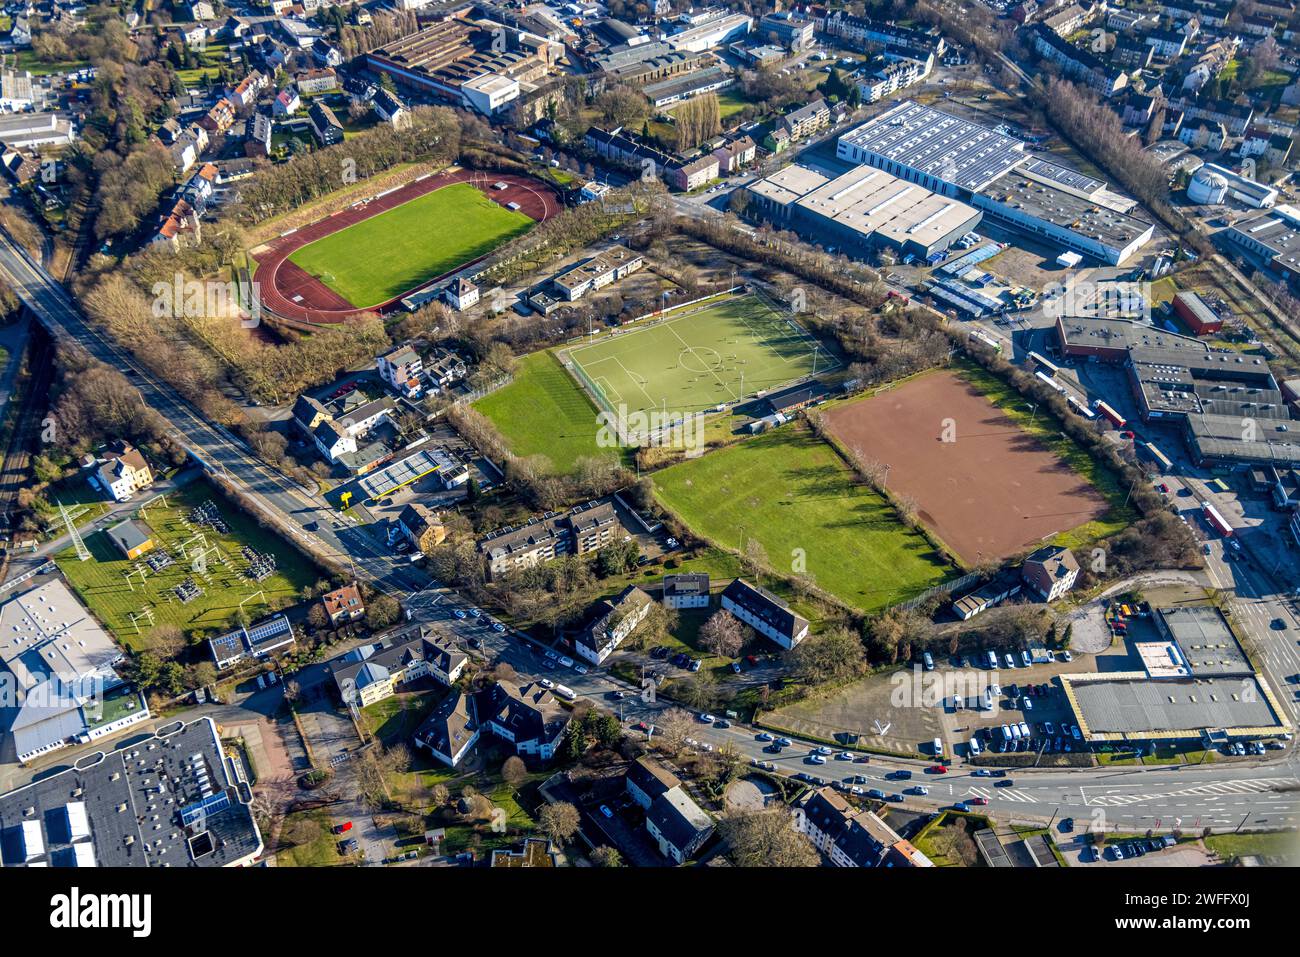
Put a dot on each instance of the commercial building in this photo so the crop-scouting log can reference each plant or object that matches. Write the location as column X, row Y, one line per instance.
column 686, row 85
column 581, row 531
column 1240, row 188
column 1196, row 313
column 175, row 799
column 256, row 641
column 1196, row 685
column 480, row 66
column 789, row 29
column 862, row 210
column 1271, row 240
column 765, row 613
column 712, row 33
column 58, row 666
column 1109, row 340
column 30, row 130
column 131, row 538
column 599, row 271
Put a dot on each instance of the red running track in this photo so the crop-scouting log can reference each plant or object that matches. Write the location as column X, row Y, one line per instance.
column 292, row 293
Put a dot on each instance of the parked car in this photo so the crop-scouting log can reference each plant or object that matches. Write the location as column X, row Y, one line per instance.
column 343, row 828
column 763, row 736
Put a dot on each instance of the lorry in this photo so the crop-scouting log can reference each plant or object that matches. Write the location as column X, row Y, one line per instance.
column 1216, row 521
column 1116, row 419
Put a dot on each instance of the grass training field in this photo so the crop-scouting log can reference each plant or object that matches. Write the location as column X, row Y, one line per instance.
column 718, row 353
column 100, row 581
column 379, row 258
column 790, row 491
column 544, row 412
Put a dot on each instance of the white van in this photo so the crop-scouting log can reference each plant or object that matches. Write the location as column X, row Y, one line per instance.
column 1006, row 733
column 988, row 699
column 1015, row 732
column 993, row 660
column 975, row 748
column 938, row 747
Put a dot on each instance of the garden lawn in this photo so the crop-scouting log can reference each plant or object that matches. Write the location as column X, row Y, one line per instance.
column 792, row 493
column 380, row 258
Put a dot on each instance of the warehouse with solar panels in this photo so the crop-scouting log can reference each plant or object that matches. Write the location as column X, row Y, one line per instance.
column 996, row 174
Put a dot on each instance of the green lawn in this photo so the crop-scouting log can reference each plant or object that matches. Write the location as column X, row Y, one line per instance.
column 1265, row 843
column 321, row 851
column 382, row 257
column 718, row 354
column 544, row 412
column 101, row 584
column 790, row 491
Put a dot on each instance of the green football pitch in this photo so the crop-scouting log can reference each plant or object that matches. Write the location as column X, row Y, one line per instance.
column 380, row 258
column 716, row 354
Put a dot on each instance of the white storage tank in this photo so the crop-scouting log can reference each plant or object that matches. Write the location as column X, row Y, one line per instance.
column 1207, row 187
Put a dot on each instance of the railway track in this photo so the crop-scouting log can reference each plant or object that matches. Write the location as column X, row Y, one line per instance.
column 32, row 397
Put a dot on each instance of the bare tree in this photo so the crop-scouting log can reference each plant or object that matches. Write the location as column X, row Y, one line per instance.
column 723, row 634
column 767, row 839
column 559, row 821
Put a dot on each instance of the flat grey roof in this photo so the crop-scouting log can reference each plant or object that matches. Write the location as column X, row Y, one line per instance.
column 132, row 801
column 1105, row 333
column 1206, row 641
column 955, row 150
column 1061, row 176
column 1134, row 706
column 1220, row 436
column 1117, row 230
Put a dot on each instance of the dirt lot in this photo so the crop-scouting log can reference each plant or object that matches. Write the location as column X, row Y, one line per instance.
column 986, row 488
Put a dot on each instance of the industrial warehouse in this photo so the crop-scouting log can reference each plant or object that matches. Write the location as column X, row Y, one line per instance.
column 863, row 209
column 997, row 175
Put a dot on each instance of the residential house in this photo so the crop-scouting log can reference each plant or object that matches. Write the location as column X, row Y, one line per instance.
column 647, row 780
column 461, row 294
column 401, row 369
column 1076, row 62
column 614, row 621
column 325, row 124
column 525, row 715
column 421, row 527
column 765, row 613
column 686, row 590
column 374, row 672
column 1066, row 20
column 450, row 731
column 678, row 825
column 246, row 92
column 20, row 166
column 1051, row 571
column 1132, row 53
column 326, row 54
column 849, row 837
column 389, row 108
column 1169, row 44
column 319, row 80
column 122, row 471
column 220, row 117
column 693, row 174
column 583, row 530
column 343, row 604
column 287, row 102
column 807, row 120
column 1203, row 134
column 735, row 154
